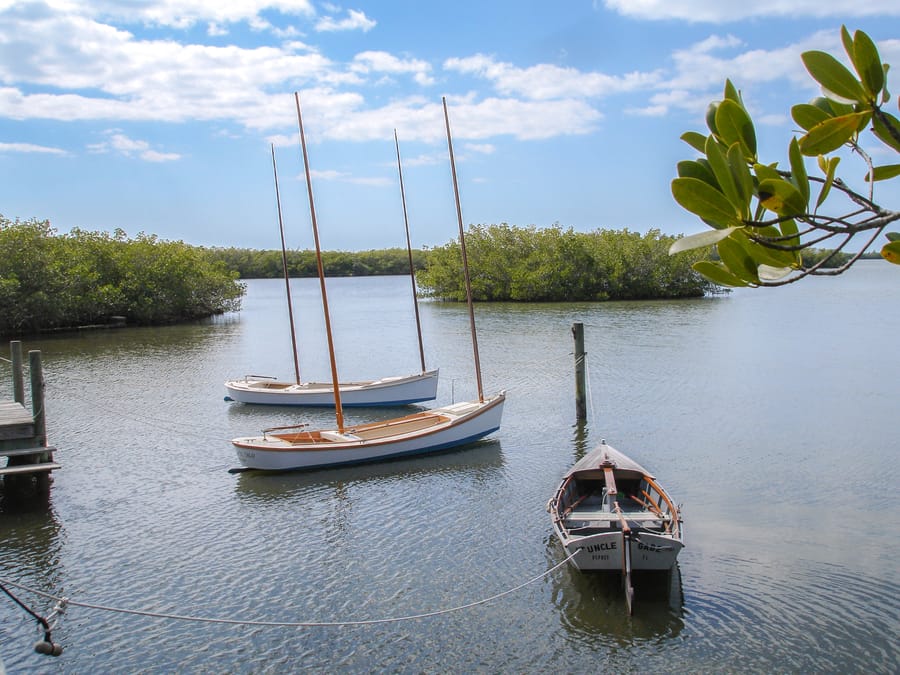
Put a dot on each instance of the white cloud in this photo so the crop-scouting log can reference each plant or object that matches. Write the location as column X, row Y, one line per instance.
column 68, row 67
column 480, row 148
column 546, row 81
column 30, row 148
column 185, row 13
column 384, row 62
column 355, row 20
column 426, row 159
column 493, row 117
column 343, row 177
column 129, row 147
column 700, row 71
column 717, row 11
column 328, row 174
column 216, row 30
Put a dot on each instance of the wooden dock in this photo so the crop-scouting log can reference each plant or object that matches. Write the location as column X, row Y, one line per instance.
column 23, row 434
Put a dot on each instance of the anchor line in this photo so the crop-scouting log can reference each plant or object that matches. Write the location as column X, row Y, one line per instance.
column 590, row 390
column 288, row 624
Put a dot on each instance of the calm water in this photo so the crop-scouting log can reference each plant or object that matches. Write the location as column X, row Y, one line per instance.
column 770, row 414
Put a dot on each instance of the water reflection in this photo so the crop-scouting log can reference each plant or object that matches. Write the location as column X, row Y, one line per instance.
column 592, row 604
column 776, row 578
column 31, row 555
column 580, row 439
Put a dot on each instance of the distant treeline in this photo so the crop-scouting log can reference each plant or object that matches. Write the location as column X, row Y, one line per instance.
column 52, row 281
column 254, row 264
column 811, row 256
column 529, row 264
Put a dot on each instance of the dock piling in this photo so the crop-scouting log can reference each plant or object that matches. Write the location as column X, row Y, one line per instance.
column 23, row 436
column 37, row 397
column 15, row 349
column 580, row 395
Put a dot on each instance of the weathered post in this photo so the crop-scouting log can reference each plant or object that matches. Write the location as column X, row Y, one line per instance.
column 40, row 418
column 15, row 351
column 580, row 397
column 37, row 396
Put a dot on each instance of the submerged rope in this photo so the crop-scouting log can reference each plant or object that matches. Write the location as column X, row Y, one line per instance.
column 285, row 624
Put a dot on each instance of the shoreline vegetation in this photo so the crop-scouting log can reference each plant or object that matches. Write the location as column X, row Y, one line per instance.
column 51, row 282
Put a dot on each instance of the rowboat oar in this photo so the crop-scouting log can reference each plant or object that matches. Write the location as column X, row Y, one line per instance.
column 626, row 558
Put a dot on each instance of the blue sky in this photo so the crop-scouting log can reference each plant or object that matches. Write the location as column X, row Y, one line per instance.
column 157, row 116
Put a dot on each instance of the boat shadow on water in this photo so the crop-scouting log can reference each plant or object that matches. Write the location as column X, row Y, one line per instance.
column 592, row 603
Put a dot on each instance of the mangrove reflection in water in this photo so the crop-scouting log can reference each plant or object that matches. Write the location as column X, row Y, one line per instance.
column 769, row 415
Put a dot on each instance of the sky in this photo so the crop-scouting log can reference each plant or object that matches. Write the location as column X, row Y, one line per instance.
column 158, row 116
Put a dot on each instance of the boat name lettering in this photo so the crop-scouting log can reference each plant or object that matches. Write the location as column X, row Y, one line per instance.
column 604, row 546
column 655, row 548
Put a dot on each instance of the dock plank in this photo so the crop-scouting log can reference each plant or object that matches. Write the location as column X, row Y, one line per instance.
column 29, row 468
column 15, row 421
column 26, row 452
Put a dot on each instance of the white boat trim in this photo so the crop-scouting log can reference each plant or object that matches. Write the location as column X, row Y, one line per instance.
column 386, row 391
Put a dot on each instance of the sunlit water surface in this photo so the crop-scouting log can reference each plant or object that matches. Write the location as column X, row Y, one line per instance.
column 770, row 414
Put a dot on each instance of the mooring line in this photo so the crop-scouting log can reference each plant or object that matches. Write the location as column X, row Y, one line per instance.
column 282, row 624
column 590, row 391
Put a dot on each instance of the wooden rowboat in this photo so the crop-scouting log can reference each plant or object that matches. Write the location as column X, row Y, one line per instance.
column 610, row 514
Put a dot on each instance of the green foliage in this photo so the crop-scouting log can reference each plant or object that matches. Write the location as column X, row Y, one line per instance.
column 49, row 281
column 827, row 258
column 552, row 264
column 763, row 226
column 252, row 264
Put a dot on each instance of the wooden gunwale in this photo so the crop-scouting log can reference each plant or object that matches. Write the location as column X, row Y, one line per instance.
column 673, row 510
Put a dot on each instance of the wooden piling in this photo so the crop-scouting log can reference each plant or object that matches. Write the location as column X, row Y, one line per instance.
column 580, row 395
column 23, row 437
column 37, row 397
column 15, row 349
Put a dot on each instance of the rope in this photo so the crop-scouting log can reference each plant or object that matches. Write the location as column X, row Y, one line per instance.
column 41, row 620
column 590, row 391
column 285, row 624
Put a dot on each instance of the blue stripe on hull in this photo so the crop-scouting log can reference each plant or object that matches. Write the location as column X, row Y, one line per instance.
column 381, row 458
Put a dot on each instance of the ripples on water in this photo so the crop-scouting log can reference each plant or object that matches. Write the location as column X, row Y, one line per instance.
column 751, row 409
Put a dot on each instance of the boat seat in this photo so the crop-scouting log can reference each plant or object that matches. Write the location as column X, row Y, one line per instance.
column 609, row 516
column 336, row 437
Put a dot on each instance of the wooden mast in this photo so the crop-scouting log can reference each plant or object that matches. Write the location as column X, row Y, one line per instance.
column 465, row 262
column 287, row 279
column 338, row 411
column 412, row 272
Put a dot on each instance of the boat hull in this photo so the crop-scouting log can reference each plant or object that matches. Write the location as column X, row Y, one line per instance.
column 458, row 425
column 388, row 391
column 603, row 552
column 610, row 514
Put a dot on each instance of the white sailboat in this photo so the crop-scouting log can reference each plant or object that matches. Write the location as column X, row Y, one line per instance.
column 386, row 391
column 293, row 447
